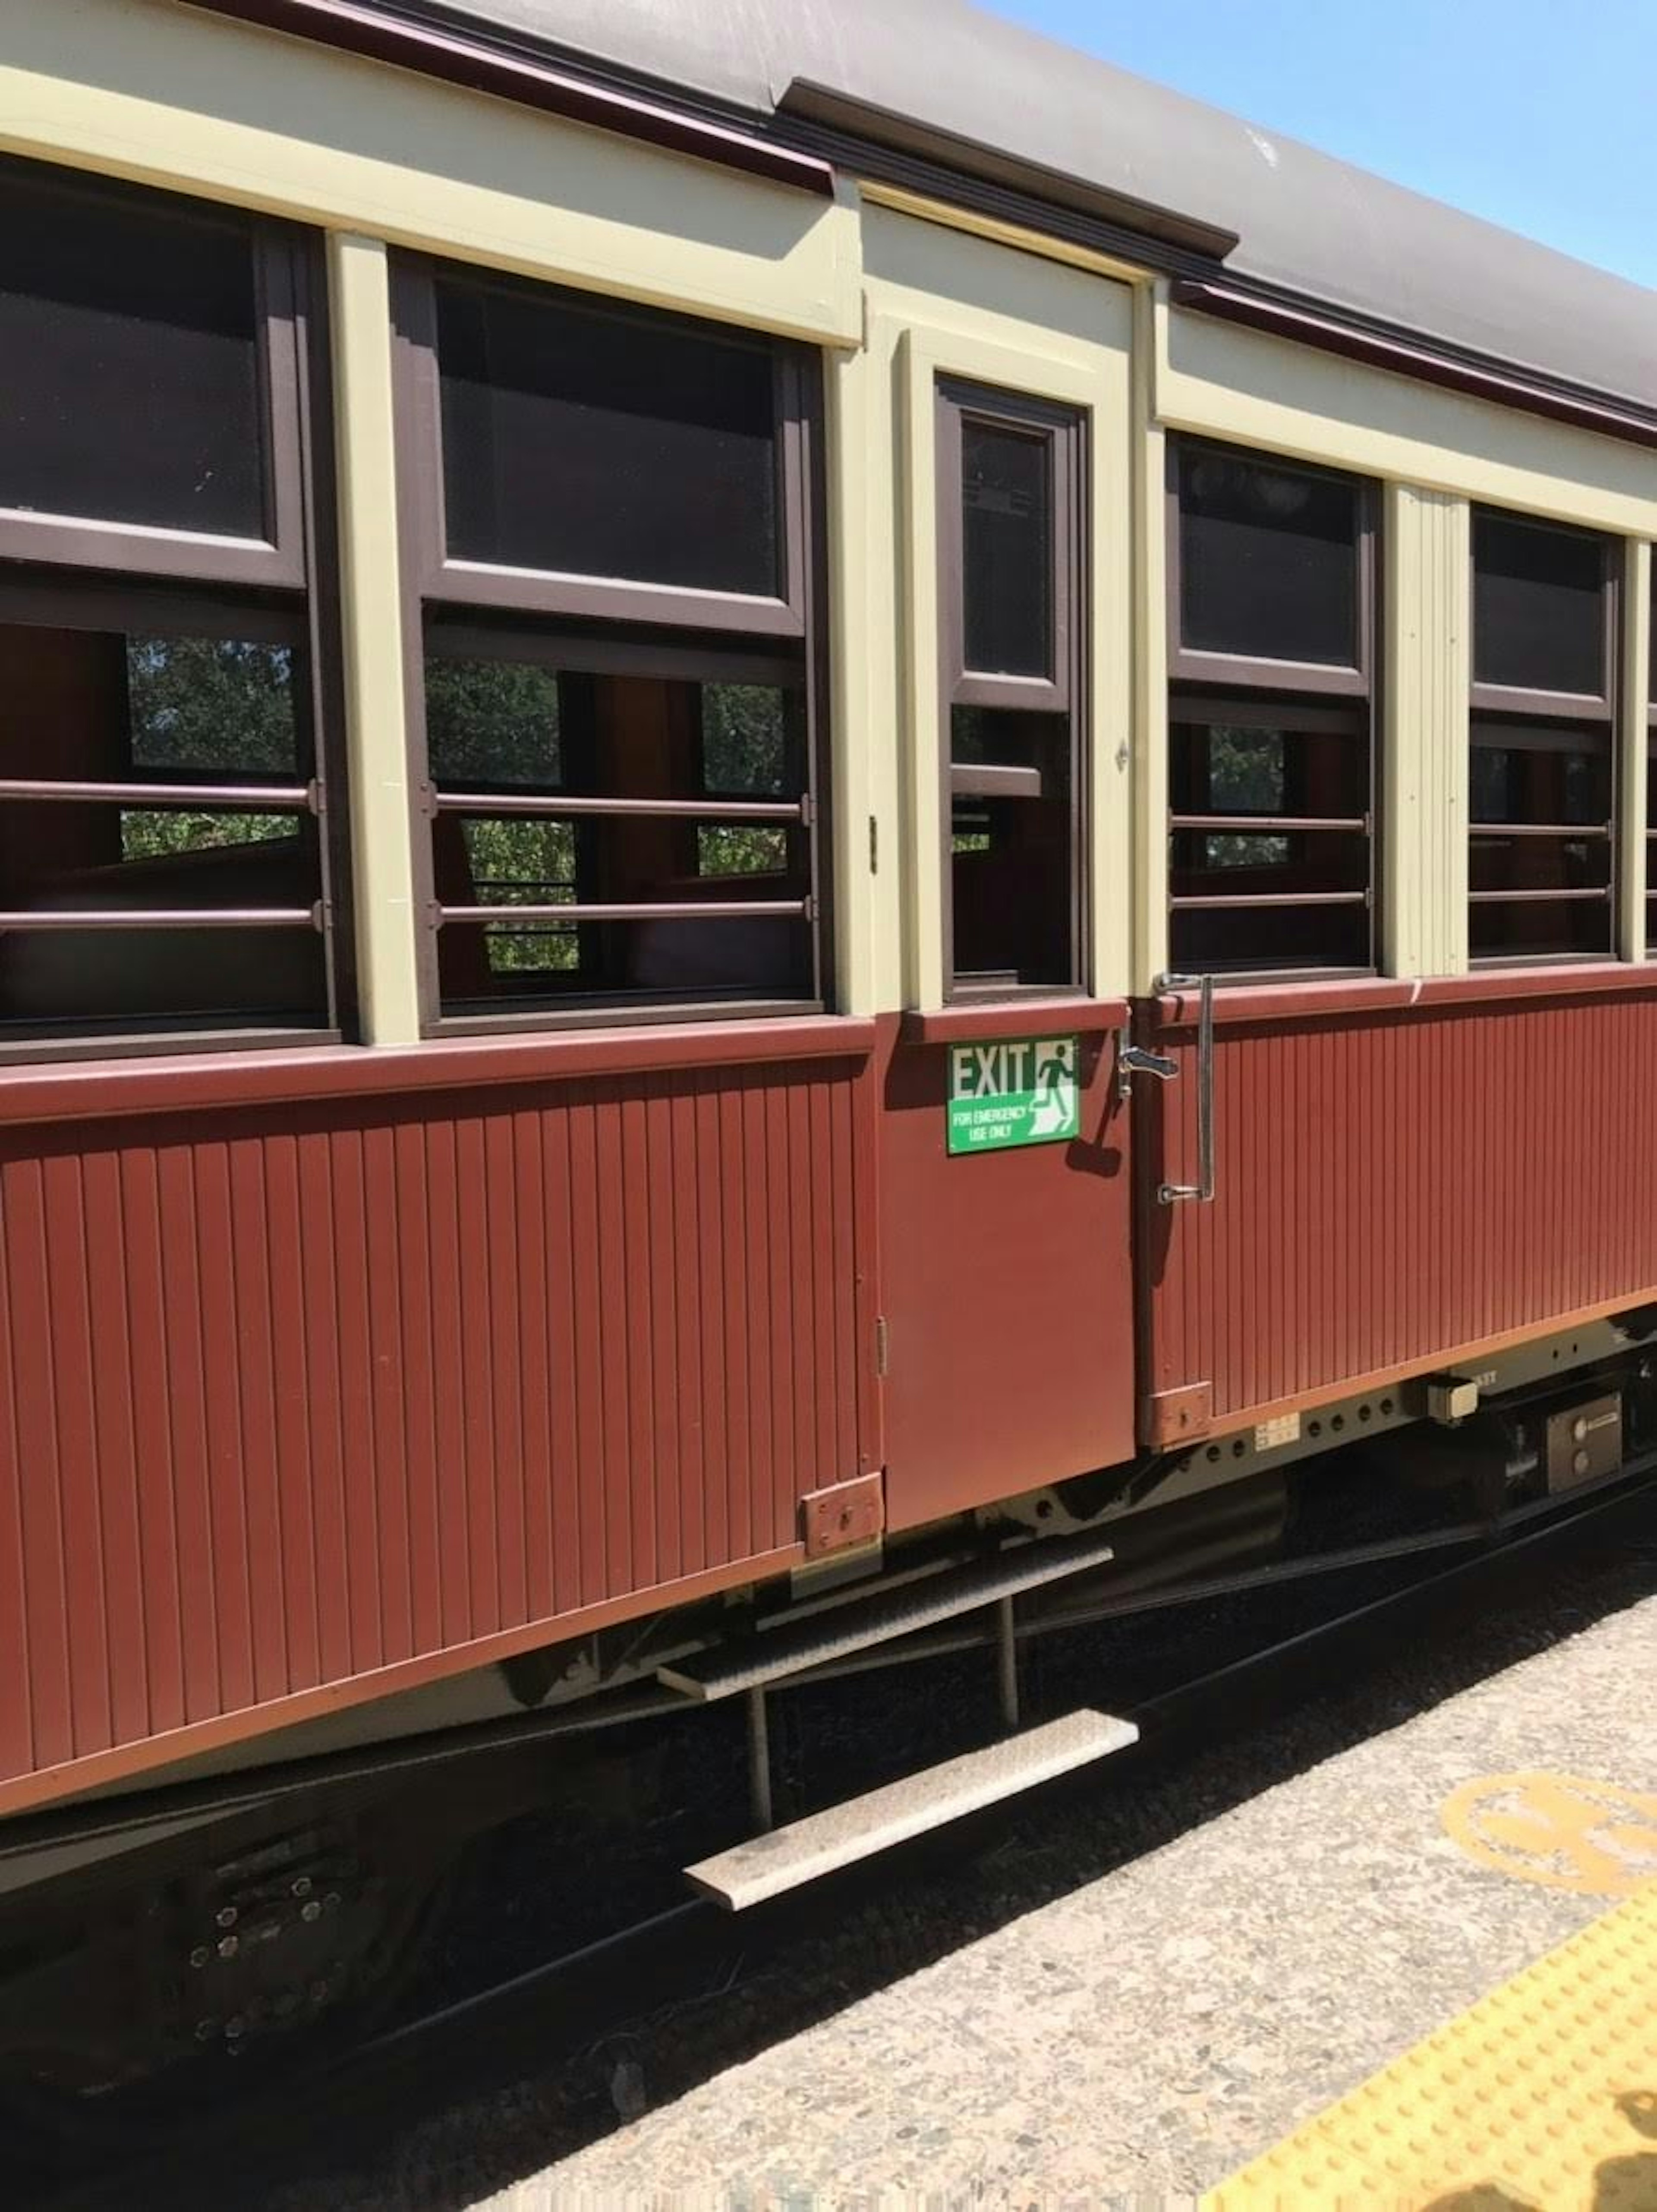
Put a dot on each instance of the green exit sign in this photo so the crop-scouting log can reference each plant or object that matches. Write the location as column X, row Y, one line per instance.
column 1026, row 1092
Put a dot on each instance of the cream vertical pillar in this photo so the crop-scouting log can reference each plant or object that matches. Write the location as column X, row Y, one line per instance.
column 1149, row 708
column 923, row 733
column 1633, row 723
column 371, row 626
column 1427, row 611
column 866, row 858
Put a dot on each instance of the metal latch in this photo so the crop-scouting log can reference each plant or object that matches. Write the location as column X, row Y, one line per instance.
column 1133, row 1059
column 1176, row 1193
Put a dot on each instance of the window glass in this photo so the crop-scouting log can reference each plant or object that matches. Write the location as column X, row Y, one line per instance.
column 1542, row 804
column 1007, row 549
column 492, row 722
column 1538, row 607
column 1010, row 859
column 86, row 707
column 198, row 704
column 604, row 442
column 1268, row 559
column 751, row 739
column 129, row 328
column 1246, row 898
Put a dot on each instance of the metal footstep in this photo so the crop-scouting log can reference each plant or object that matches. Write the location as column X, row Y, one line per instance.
column 774, row 1655
column 767, row 1865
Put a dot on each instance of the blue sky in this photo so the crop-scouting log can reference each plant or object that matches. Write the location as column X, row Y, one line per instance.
column 1541, row 114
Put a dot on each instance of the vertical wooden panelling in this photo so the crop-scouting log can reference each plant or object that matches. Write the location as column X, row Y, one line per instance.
column 1424, row 749
column 293, row 1395
column 1392, row 1188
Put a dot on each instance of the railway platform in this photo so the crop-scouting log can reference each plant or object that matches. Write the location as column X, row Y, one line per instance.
column 1417, row 1967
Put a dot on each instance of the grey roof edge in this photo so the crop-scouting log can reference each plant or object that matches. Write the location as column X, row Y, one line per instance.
column 1354, row 245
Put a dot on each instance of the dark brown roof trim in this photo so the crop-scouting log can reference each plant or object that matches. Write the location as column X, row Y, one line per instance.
column 970, row 157
column 1418, row 361
column 360, row 30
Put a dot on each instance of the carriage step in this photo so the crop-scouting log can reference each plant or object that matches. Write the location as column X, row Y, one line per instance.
column 773, row 1655
column 767, row 1865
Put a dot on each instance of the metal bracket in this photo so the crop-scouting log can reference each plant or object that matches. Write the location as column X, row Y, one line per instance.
column 846, row 1513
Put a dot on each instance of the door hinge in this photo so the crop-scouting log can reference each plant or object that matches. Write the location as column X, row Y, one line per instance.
column 882, row 1346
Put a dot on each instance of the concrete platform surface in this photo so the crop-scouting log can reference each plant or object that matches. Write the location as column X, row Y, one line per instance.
column 1146, row 2033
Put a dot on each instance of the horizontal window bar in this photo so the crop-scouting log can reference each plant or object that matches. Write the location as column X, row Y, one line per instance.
column 683, row 809
column 1353, row 824
column 673, row 910
column 1277, row 898
column 240, row 799
column 1601, row 892
column 157, row 917
column 1538, row 830
column 978, row 780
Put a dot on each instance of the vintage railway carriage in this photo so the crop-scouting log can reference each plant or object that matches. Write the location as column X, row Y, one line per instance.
column 784, row 794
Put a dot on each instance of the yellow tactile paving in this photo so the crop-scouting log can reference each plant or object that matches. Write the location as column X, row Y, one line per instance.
column 1541, row 2097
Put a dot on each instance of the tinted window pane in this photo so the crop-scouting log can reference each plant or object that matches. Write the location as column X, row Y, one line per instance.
column 1007, row 583
column 1268, row 560
column 128, row 333
column 492, row 722
column 1538, row 607
column 598, row 441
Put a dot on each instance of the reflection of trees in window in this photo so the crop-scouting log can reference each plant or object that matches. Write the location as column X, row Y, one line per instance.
column 493, row 721
column 517, row 863
column 744, row 739
column 211, row 702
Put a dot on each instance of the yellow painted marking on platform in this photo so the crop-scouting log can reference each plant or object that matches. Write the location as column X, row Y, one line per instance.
column 1541, row 2097
column 1594, row 1838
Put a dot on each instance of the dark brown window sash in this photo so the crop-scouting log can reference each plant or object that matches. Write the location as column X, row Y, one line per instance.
column 1062, row 693
column 186, row 584
column 1588, row 724
column 1309, row 697
column 466, row 610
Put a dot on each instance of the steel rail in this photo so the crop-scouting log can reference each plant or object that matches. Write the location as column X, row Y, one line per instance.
column 567, row 2005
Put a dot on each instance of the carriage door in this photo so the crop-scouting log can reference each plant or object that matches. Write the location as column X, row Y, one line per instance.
column 1006, row 1196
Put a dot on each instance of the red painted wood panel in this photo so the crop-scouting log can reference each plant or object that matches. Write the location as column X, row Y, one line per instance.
column 1391, row 1188
column 1007, row 1286
column 289, row 1395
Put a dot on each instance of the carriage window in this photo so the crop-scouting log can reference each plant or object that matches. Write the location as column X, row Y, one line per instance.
column 584, row 439
column 1010, row 492
column 1543, row 789
column 586, row 847
column 162, row 866
column 619, row 706
column 113, row 298
column 1270, row 759
column 160, row 861
column 1268, row 559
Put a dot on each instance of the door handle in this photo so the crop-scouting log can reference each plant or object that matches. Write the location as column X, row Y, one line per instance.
column 1176, row 1193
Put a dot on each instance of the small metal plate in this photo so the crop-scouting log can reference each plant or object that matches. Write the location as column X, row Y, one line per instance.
column 850, row 1513
column 1585, row 1442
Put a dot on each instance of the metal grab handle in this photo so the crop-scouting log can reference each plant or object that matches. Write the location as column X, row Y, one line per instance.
column 1175, row 1194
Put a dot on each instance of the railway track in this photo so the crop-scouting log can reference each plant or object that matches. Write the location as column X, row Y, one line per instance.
column 361, row 2098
